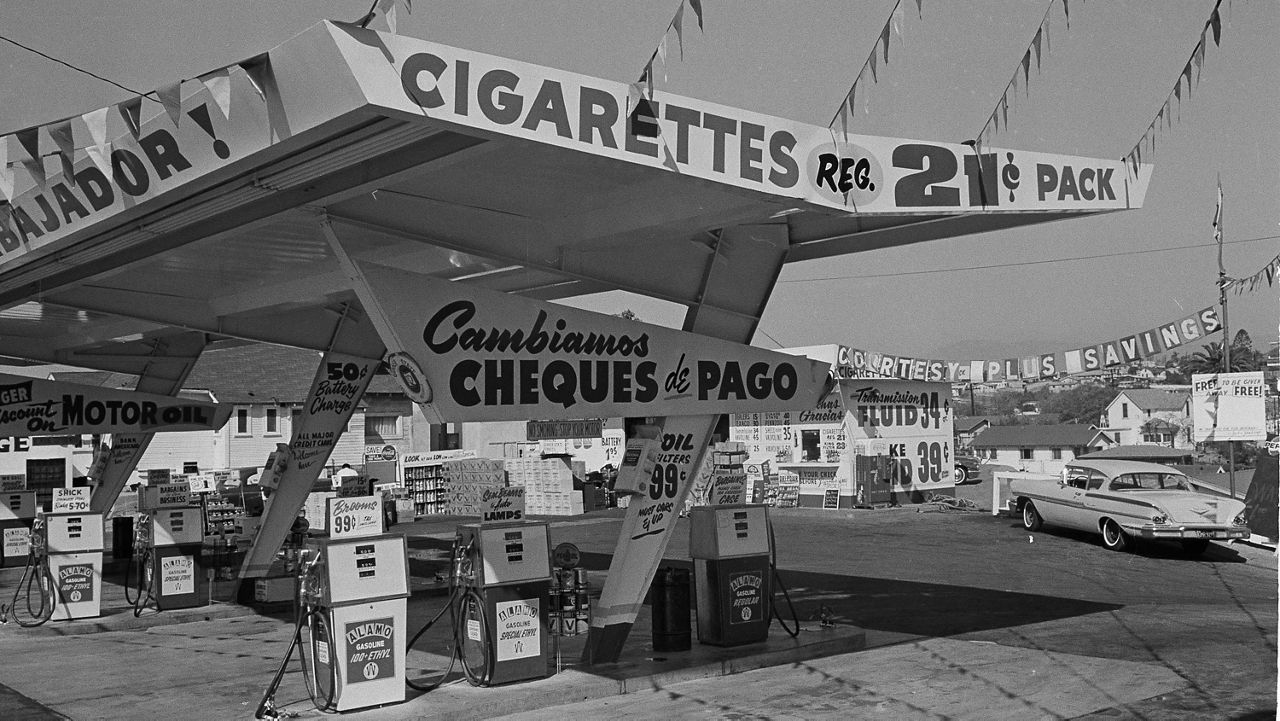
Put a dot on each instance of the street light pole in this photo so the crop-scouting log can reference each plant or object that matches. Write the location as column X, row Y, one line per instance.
column 1226, row 335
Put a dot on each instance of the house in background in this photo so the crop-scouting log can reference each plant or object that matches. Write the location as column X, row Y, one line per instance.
column 1141, row 416
column 1039, row 448
column 267, row 386
column 967, row 428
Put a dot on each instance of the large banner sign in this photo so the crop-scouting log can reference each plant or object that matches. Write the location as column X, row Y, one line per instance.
column 475, row 355
column 914, row 420
column 860, row 173
column 1228, row 406
column 34, row 407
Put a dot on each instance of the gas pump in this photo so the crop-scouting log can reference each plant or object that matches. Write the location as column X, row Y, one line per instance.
column 17, row 513
column 166, row 561
column 351, row 613
column 503, row 575
column 37, row 579
column 731, row 549
column 73, row 542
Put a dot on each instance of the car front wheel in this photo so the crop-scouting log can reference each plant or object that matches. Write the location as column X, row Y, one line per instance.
column 962, row 475
column 1113, row 537
column 1031, row 517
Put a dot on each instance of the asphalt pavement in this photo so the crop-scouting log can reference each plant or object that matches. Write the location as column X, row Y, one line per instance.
column 945, row 614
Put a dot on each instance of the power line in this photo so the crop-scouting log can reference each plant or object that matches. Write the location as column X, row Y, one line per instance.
column 1028, row 262
column 73, row 67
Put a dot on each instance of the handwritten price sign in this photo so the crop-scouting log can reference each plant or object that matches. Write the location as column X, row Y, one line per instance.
column 355, row 517
column 70, row 500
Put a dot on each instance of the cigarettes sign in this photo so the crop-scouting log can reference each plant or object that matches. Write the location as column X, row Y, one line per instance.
column 492, row 356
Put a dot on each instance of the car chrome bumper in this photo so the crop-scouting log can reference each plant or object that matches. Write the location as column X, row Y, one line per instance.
column 1216, row 533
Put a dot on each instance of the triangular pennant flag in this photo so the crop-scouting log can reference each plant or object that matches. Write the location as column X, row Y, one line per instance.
column 995, row 118
column 696, row 6
column 1215, row 22
column 100, row 156
column 678, row 24
column 1004, row 108
column 648, row 76
column 1066, row 12
column 35, row 168
column 1013, row 83
column 1271, row 275
column 29, row 140
column 258, row 71
column 849, row 99
column 1048, row 46
column 131, row 112
column 669, row 161
column 874, row 79
column 218, row 83
column 1035, row 42
column 1026, row 72
column 662, row 52
column 1177, row 91
column 6, row 175
column 898, row 14
column 96, row 123
column 60, row 133
column 884, row 40
column 1199, row 57
column 844, row 120
column 1186, row 72
column 171, row 98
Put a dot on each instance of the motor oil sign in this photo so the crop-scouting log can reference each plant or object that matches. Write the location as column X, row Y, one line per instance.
column 30, row 406
column 369, row 650
column 493, row 356
column 75, row 582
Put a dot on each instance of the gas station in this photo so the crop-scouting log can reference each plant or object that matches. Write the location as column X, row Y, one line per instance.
column 388, row 200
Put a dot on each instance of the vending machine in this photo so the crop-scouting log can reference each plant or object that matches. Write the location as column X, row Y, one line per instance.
column 17, row 513
column 173, row 573
column 74, row 545
column 353, row 592
column 731, row 551
column 503, row 571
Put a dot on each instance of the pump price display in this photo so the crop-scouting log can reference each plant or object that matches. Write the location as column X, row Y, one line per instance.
column 70, row 500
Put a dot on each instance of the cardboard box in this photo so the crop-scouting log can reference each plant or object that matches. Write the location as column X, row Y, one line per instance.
column 274, row 590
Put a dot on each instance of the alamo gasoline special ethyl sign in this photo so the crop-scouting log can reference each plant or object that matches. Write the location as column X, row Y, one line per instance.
column 32, row 407
column 477, row 355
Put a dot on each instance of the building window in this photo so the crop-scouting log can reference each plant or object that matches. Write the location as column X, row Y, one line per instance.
column 810, row 445
column 381, row 428
column 1124, row 410
column 1025, row 453
column 273, row 423
column 1057, row 454
column 242, row 421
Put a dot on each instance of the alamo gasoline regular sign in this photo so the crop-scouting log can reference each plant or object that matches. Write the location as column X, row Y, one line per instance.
column 477, row 355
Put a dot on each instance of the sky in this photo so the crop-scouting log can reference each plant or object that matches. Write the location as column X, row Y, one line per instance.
column 994, row 295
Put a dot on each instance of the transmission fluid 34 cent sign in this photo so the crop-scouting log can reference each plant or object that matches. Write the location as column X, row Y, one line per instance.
column 492, row 356
column 30, row 406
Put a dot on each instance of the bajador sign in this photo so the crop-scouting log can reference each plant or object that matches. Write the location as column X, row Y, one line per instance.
column 30, row 406
column 492, row 356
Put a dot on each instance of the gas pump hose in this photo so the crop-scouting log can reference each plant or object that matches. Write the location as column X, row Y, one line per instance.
column 146, row 585
column 451, row 607
column 777, row 580
column 471, row 598
column 303, row 613
column 35, row 572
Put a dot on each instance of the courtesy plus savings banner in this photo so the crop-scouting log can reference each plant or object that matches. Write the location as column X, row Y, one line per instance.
column 475, row 355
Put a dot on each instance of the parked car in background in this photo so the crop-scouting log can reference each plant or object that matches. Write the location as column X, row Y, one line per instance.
column 967, row 467
column 1126, row 500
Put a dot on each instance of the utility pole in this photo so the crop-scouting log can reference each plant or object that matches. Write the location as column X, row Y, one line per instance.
column 1226, row 334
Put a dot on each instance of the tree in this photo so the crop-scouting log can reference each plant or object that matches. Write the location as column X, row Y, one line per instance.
column 1209, row 360
column 1082, row 404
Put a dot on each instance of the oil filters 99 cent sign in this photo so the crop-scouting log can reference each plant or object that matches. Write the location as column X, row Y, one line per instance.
column 494, row 356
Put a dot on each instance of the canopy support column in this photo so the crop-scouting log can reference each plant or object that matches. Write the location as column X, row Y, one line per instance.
column 737, row 281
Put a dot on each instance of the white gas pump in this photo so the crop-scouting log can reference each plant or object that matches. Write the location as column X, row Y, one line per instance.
column 73, row 542
column 731, row 548
column 352, row 598
column 17, row 513
column 38, row 598
column 167, row 566
column 503, row 575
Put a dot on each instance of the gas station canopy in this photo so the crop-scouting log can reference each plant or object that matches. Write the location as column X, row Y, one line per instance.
column 149, row 219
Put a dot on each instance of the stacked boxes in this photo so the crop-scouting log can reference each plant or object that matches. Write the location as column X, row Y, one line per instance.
column 467, row 479
column 548, row 484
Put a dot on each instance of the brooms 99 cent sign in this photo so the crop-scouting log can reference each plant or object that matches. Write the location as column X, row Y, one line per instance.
column 492, row 356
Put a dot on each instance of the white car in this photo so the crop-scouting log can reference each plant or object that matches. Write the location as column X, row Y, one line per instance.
column 1124, row 500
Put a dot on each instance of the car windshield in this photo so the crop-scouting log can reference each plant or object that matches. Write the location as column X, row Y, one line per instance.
column 1150, row 482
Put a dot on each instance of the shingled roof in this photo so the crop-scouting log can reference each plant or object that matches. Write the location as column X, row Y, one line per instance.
column 1061, row 435
column 256, row 373
column 1147, row 399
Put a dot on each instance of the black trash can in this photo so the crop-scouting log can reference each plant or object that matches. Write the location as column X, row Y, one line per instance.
column 122, row 537
column 669, row 596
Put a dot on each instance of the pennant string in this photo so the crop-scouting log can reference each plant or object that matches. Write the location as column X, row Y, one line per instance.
column 1195, row 59
column 888, row 29
column 1024, row 68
